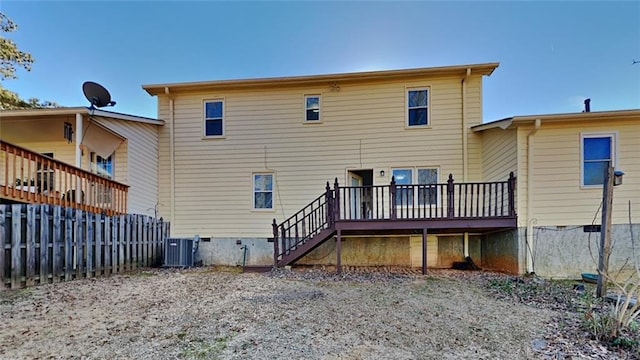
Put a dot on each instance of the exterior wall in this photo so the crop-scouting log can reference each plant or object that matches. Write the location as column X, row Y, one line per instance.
column 363, row 127
column 501, row 251
column 566, row 252
column 226, row 251
column 137, row 163
column 558, row 196
column 499, row 154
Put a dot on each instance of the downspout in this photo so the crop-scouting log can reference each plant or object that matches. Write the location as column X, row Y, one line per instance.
column 79, row 133
column 465, row 146
column 172, row 171
column 465, row 131
column 530, row 219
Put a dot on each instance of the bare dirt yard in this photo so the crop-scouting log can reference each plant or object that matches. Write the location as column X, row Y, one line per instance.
column 208, row 313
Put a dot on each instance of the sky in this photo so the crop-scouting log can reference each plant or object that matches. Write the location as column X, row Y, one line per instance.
column 552, row 55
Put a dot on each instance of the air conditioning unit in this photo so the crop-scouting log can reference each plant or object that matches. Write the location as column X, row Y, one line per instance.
column 179, row 252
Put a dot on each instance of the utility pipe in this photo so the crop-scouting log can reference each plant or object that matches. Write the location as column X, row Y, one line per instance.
column 466, row 245
column 79, row 132
column 465, row 131
column 172, row 170
column 531, row 221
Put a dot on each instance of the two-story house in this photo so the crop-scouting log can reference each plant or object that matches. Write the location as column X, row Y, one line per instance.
column 234, row 155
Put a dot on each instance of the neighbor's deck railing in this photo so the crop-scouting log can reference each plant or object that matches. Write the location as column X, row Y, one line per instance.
column 29, row 177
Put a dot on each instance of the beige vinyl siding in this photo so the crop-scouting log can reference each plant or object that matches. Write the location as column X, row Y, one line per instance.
column 559, row 198
column 136, row 163
column 499, row 154
column 363, row 128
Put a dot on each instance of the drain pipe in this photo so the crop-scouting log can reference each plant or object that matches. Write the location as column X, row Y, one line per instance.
column 172, row 171
column 465, row 146
column 531, row 221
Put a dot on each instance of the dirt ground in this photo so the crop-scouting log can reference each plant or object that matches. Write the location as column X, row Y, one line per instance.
column 207, row 313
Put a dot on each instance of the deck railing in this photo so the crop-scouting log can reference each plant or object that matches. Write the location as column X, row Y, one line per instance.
column 476, row 200
column 29, row 177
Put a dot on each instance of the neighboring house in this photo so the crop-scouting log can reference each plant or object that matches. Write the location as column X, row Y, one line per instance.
column 234, row 155
column 44, row 153
column 560, row 160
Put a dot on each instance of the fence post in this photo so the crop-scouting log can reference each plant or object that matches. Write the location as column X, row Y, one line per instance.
column 450, row 197
column 274, row 228
column 3, row 232
column 16, row 239
column 512, row 201
column 336, row 205
column 393, row 210
column 32, row 225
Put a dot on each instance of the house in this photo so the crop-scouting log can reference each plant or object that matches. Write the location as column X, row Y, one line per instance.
column 235, row 155
column 559, row 160
column 87, row 158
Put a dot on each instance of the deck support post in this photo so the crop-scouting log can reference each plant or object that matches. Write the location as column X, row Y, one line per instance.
column 424, row 251
column 339, row 251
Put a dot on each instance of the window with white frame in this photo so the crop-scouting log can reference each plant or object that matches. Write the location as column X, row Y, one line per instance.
column 418, row 107
column 214, row 118
column 598, row 152
column 423, row 177
column 102, row 166
column 263, row 191
column 312, row 108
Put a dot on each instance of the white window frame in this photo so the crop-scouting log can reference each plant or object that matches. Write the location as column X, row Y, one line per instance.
column 304, row 116
column 407, row 109
column 204, row 118
column 93, row 161
column 253, row 191
column 414, row 181
column 613, row 136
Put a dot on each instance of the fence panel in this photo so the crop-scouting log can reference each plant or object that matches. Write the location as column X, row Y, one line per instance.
column 42, row 244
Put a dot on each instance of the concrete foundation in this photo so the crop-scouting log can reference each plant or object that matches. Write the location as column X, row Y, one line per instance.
column 500, row 252
column 566, row 252
column 363, row 251
column 226, row 251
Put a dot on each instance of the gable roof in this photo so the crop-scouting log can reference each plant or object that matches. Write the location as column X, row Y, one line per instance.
column 68, row 111
column 566, row 117
column 311, row 80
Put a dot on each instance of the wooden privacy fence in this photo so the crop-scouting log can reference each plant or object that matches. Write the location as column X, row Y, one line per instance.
column 43, row 244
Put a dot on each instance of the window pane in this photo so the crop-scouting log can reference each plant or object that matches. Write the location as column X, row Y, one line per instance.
column 427, row 176
column 417, row 117
column 403, row 176
column 263, row 200
column 597, row 148
column 213, row 127
column 263, row 182
column 594, row 172
column 418, row 98
column 313, row 102
column 313, row 115
column 213, row 110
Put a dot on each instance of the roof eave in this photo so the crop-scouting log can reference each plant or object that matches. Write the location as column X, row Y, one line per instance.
column 480, row 69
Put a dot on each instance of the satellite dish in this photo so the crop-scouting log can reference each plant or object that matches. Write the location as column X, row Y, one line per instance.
column 97, row 95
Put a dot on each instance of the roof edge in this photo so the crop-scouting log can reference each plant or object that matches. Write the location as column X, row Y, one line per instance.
column 518, row 120
column 156, row 89
column 23, row 113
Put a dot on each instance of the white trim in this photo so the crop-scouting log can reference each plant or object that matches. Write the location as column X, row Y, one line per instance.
column 204, row 118
column 273, row 191
column 407, row 89
column 613, row 135
column 304, row 115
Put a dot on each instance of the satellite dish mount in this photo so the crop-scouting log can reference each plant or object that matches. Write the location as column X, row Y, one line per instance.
column 97, row 95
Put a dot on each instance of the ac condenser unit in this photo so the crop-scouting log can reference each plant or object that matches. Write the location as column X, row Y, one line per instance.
column 178, row 252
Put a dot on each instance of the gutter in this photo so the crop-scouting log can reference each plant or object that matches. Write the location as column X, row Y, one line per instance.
column 531, row 221
column 465, row 146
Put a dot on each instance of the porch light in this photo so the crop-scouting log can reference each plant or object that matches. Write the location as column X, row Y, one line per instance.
column 617, row 177
column 382, row 173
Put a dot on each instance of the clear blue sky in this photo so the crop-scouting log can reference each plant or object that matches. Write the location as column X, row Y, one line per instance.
column 552, row 54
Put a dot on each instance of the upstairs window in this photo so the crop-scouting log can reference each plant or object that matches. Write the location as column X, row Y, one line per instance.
column 418, row 107
column 597, row 156
column 214, row 118
column 262, row 191
column 312, row 108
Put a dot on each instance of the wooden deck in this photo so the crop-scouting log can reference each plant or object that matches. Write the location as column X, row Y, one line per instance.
column 32, row 178
column 395, row 209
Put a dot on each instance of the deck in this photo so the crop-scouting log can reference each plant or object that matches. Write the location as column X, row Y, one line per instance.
column 395, row 209
column 32, row 178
